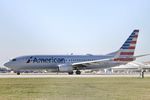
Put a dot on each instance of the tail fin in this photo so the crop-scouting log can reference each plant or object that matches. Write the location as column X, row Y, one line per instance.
column 126, row 52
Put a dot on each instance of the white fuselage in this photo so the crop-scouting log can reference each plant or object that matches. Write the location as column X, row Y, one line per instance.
column 53, row 61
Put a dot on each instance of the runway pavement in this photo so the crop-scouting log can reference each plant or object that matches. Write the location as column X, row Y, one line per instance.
column 63, row 76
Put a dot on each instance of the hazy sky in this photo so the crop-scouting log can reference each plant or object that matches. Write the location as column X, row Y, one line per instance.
column 71, row 26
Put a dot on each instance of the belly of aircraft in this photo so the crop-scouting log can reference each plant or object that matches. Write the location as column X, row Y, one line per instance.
column 34, row 66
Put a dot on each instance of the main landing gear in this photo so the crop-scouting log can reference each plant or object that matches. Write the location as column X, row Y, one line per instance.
column 70, row 73
column 78, row 72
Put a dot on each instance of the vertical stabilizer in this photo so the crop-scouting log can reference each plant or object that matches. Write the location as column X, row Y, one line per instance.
column 126, row 52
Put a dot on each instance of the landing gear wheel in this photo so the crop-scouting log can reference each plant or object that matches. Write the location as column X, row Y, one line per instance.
column 78, row 72
column 18, row 73
column 70, row 73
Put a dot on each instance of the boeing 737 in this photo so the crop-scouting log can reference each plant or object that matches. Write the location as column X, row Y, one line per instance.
column 69, row 63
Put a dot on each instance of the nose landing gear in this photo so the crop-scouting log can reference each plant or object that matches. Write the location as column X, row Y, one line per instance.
column 18, row 73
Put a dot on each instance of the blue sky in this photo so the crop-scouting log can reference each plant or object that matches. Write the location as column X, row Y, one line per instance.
column 71, row 26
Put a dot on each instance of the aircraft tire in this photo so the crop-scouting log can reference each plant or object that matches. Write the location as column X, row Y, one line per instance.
column 18, row 73
column 70, row 73
column 78, row 72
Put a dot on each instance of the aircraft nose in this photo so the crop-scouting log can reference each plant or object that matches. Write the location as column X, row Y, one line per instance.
column 7, row 64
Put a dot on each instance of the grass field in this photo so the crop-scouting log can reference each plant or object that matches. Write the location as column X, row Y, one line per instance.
column 74, row 89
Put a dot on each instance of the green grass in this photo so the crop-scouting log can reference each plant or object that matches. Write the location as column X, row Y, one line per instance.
column 74, row 89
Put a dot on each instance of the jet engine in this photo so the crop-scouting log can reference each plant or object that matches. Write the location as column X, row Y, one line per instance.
column 65, row 68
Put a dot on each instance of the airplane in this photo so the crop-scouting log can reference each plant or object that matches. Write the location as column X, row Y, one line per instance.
column 71, row 63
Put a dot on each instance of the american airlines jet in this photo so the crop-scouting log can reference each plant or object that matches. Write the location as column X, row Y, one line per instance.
column 69, row 63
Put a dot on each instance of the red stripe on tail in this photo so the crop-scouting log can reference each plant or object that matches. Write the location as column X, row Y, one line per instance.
column 133, row 42
column 131, row 47
column 126, row 53
column 136, row 36
column 123, row 59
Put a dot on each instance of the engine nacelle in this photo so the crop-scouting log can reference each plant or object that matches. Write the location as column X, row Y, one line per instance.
column 65, row 68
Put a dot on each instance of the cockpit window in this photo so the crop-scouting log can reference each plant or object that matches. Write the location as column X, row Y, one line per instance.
column 13, row 59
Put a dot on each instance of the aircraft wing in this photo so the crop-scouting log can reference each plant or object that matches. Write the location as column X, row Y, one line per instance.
column 103, row 62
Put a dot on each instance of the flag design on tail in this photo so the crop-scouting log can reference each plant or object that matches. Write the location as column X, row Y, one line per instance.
column 126, row 52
